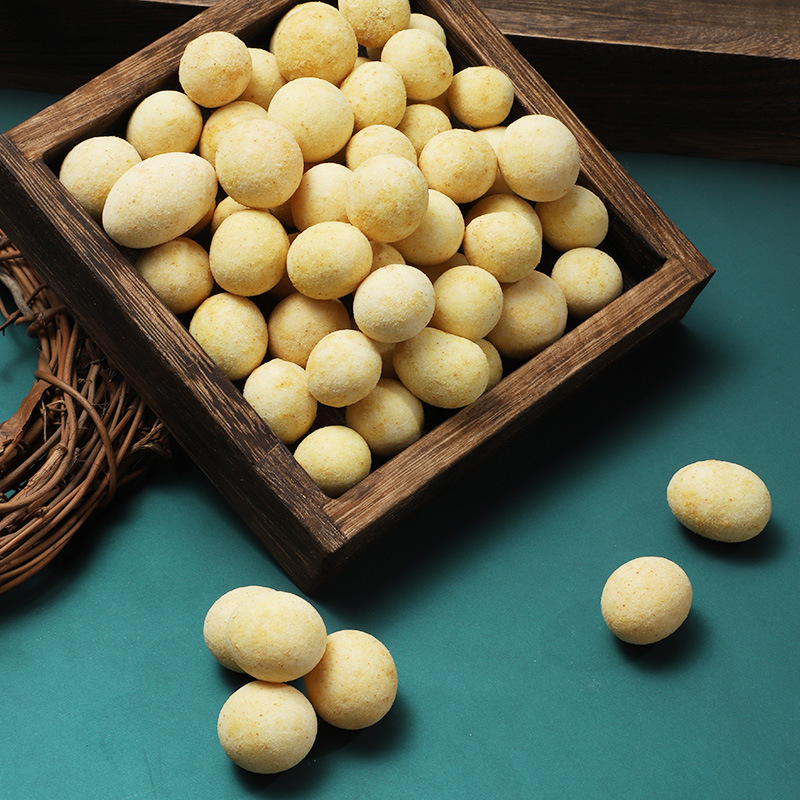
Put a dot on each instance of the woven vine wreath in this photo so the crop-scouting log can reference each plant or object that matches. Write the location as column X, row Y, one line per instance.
column 79, row 434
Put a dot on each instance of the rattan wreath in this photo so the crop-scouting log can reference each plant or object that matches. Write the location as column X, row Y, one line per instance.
column 79, row 434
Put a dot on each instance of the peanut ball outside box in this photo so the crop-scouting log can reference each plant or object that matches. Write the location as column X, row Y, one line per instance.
column 215, row 68
column 164, row 122
column 355, row 683
column 335, row 457
column 267, row 727
column 646, row 599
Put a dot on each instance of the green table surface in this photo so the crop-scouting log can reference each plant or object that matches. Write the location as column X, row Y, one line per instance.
column 510, row 685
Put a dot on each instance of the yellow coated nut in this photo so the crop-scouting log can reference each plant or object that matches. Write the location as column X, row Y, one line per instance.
column 335, row 457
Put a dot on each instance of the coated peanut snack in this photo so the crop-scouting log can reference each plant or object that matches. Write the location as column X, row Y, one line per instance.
column 347, row 182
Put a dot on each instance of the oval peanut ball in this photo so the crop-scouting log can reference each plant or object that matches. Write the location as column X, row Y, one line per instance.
column 720, row 500
column 504, row 243
column 422, row 60
column 442, row 369
column 165, row 122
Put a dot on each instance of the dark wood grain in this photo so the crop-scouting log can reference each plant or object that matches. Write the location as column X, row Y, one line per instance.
column 712, row 78
column 311, row 536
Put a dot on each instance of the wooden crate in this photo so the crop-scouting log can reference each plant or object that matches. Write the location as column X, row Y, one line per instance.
column 309, row 534
column 717, row 78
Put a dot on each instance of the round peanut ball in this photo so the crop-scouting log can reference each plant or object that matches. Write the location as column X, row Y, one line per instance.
column 93, row 166
column 539, row 157
column 481, row 96
column 164, row 122
column 355, row 683
column 469, row 301
column 267, row 728
column 265, row 79
column 259, row 163
column 425, row 22
column 442, row 369
column 504, row 202
column 328, row 260
column 390, row 418
column 215, row 68
column 421, row 122
column 233, row 332
column 423, row 61
column 223, row 119
column 534, row 316
column 720, row 500
column 278, row 392
column 493, row 135
column 394, row 303
column 378, row 140
column 314, row 40
column 384, row 254
column 321, row 195
column 376, row 93
column 215, row 623
column 335, row 457
column 376, row 21
column 247, row 253
column 646, row 599
column 178, row 272
column 460, row 164
column 578, row 219
column 438, row 236
column 589, row 278
column 298, row 322
column 344, row 367
column 317, row 114
column 387, row 198
column 504, row 243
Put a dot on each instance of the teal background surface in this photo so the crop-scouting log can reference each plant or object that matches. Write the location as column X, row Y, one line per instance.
column 510, row 684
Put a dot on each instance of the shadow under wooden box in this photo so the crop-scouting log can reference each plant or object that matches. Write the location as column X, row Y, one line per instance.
column 310, row 535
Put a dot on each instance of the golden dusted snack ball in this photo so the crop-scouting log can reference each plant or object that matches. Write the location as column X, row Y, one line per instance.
column 317, row 114
column 248, row 252
column 265, row 79
column 438, row 236
column 276, row 636
column 259, row 163
column 384, row 254
column 278, row 392
column 344, row 367
column 387, row 198
column 158, row 199
column 534, row 316
column 215, row 68
column 233, row 332
column 93, row 166
column 376, row 93
column 164, row 122
column 495, row 362
column 578, row 219
column 389, row 418
column 646, row 599
column 329, row 260
column 376, row 21
column 442, row 369
column 504, row 202
column 423, row 61
column 481, row 96
column 539, row 157
column 493, row 135
column 504, row 243
column 335, row 457
column 355, row 683
column 394, row 303
column 267, row 728
column 720, row 500
column 298, row 322
column 178, row 272
column 378, row 140
column 215, row 624
column 421, row 122
column 321, row 195
column 425, row 22
column 223, row 210
column 314, row 40
column 460, row 164
column 469, row 301
column 223, row 119
column 589, row 278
